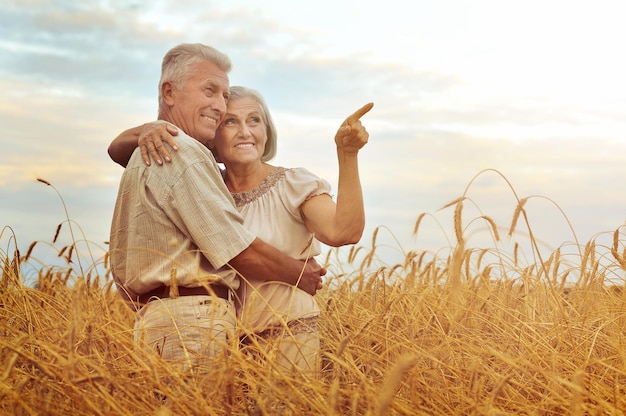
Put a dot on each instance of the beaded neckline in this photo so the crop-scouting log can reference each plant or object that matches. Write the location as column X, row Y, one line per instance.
column 243, row 198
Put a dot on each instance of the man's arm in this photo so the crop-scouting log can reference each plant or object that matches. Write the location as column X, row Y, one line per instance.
column 265, row 262
column 205, row 212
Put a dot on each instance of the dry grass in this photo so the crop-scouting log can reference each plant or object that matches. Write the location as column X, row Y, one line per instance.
column 474, row 332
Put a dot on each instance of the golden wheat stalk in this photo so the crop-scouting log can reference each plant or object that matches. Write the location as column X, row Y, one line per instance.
column 392, row 381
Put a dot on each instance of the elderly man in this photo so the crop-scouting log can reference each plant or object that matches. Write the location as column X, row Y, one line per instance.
column 177, row 241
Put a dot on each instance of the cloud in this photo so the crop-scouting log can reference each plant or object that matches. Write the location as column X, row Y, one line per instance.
column 454, row 93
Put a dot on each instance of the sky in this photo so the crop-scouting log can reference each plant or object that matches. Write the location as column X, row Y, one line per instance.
column 493, row 100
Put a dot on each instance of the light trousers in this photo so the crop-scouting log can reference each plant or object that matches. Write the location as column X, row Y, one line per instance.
column 189, row 330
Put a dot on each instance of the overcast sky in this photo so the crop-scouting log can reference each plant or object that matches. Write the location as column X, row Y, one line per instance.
column 531, row 91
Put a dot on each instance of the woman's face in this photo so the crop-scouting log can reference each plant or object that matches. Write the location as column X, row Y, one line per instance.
column 241, row 137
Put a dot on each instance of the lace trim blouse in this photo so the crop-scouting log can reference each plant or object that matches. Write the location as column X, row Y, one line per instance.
column 243, row 198
column 271, row 211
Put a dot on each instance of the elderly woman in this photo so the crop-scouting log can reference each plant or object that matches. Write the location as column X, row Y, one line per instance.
column 291, row 209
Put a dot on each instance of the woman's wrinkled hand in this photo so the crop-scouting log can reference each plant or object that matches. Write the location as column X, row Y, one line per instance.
column 152, row 139
column 352, row 136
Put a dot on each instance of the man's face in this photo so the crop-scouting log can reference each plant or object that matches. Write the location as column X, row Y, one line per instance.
column 199, row 106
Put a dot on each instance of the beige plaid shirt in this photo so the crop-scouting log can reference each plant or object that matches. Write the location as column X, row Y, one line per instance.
column 178, row 218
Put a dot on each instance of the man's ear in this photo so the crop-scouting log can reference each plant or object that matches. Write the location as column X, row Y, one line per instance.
column 167, row 92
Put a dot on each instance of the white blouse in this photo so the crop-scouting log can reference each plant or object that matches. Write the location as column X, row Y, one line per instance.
column 271, row 211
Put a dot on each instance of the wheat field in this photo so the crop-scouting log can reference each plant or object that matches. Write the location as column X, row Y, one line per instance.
column 475, row 331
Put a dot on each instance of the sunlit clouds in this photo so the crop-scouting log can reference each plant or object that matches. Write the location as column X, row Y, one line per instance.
column 529, row 92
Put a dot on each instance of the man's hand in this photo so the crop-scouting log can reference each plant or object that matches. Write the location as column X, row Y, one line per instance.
column 267, row 263
column 151, row 141
column 351, row 135
column 311, row 279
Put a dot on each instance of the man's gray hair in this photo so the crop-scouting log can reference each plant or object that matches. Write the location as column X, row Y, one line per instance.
column 179, row 60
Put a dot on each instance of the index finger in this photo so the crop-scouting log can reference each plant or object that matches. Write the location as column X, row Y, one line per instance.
column 359, row 113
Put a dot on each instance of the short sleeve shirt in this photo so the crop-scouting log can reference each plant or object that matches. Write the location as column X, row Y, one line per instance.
column 177, row 221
